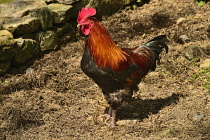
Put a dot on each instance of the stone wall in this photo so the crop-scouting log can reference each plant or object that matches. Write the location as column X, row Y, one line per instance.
column 29, row 28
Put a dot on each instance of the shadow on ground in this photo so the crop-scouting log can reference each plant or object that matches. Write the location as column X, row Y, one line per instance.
column 141, row 109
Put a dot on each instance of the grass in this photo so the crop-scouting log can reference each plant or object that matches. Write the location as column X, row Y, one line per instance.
column 200, row 3
column 5, row 1
column 203, row 76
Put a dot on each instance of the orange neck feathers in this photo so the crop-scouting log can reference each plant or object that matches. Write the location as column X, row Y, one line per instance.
column 104, row 51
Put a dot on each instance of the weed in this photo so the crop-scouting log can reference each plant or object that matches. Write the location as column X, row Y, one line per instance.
column 204, row 77
column 5, row 1
column 200, row 3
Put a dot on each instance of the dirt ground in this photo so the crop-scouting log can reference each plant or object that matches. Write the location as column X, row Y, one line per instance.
column 54, row 99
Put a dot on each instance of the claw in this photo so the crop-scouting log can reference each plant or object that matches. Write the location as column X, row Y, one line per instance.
column 110, row 117
column 106, row 116
column 112, row 122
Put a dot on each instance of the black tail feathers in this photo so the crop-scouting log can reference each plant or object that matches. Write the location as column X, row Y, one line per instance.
column 156, row 46
column 158, row 43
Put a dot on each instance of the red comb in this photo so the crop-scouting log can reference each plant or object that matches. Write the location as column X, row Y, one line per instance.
column 84, row 13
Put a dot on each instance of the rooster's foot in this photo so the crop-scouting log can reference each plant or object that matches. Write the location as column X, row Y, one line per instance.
column 110, row 121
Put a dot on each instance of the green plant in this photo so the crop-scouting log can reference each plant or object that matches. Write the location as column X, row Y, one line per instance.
column 200, row 3
column 203, row 76
column 5, row 1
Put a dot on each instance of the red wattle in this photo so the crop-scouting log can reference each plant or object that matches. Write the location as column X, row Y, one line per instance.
column 86, row 28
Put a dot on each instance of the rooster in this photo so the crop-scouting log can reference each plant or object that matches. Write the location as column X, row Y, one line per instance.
column 117, row 71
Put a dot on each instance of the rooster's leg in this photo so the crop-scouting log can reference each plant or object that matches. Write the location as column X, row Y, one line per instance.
column 110, row 117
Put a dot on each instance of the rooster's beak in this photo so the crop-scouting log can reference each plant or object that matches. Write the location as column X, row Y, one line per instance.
column 78, row 25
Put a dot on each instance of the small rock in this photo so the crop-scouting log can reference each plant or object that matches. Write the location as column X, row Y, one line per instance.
column 198, row 117
column 44, row 15
column 63, row 29
column 184, row 38
column 205, row 64
column 7, row 45
column 61, row 13
column 27, row 48
column 30, row 70
column 25, row 25
column 180, row 20
column 191, row 52
column 48, row 40
column 17, row 8
column 6, row 38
